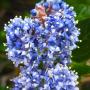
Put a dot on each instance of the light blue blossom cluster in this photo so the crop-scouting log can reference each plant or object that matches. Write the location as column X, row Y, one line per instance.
column 43, row 44
column 22, row 40
column 56, row 78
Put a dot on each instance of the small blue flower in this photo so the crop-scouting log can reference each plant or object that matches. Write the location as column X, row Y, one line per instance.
column 55, row 7
column 46, row 5
column 34, row 12
column 18, row 45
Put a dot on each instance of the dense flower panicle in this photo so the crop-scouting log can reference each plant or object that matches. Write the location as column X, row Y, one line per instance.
column 55, row 36
column 61, row 30
column 56, row 78
column 43, row 43
column 20, row 39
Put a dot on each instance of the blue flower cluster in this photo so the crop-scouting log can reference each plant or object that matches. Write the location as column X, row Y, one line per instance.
column 56, row 78
column 43, row 43
column 22, row 39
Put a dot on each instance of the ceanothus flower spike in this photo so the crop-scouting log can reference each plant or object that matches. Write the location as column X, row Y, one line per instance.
column 57, row 78
column 42, row 46
column 51, row 27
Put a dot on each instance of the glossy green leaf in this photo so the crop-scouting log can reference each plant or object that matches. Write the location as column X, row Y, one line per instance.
column 81, row 68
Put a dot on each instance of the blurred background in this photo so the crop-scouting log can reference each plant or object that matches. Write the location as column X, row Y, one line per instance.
column 81, row 56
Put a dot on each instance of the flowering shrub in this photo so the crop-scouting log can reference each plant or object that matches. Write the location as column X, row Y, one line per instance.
column 43, row 43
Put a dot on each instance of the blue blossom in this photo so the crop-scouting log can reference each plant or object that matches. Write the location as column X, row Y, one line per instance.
column 42, row 45
column 56, row 7
column 21, row 39
column 34, row 12
column 57, row 78
column 46, row 5
column 58, row 33
column 55, row 1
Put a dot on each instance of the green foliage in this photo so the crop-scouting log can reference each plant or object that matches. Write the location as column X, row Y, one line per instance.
column 3, row 88
column 81, row 68
column 2, row 40
column 83, row 53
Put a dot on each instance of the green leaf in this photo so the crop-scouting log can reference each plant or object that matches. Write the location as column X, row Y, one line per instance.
column 2, row 36
column 2, row 40
column 81, row 68
column 3, row 88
